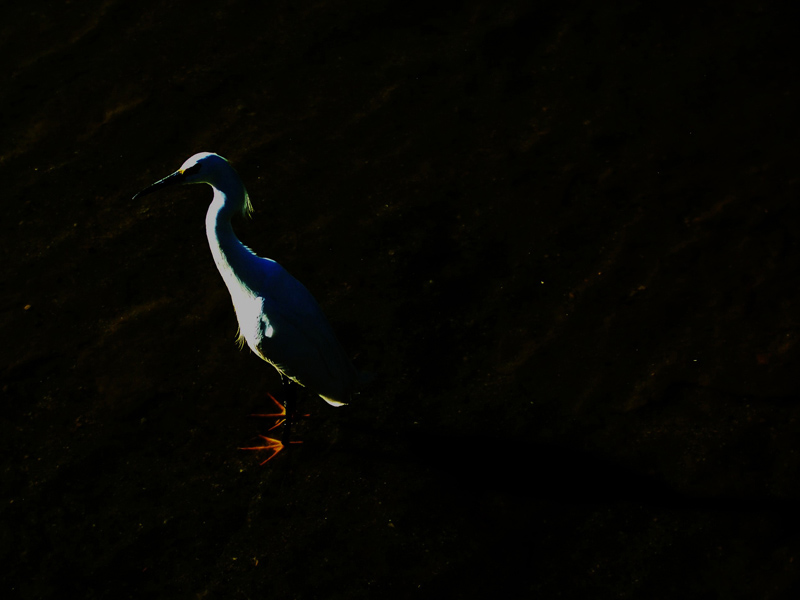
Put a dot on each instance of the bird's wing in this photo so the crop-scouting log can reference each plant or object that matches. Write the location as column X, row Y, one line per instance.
column 299, row 341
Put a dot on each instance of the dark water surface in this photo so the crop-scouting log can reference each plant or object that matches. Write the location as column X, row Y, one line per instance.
column 564, row 235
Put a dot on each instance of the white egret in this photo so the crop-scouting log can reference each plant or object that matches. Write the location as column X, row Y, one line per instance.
column 278, row 317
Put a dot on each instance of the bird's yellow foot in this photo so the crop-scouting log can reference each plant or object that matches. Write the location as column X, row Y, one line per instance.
column 281, row 416
column 271, row 443
column 280, row 406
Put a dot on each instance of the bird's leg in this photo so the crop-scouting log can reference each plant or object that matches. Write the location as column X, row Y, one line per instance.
column 290, row 409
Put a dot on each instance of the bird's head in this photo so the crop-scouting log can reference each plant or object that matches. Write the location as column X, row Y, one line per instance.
column 204, row 167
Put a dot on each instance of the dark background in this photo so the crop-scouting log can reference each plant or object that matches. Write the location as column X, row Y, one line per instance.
column 564, row 234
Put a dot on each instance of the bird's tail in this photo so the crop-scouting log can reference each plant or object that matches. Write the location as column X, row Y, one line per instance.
column 333, row 402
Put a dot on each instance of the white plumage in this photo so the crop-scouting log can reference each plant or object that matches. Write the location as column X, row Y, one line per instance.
column 278, row 317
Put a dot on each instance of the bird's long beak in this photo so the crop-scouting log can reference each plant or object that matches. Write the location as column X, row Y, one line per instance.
column 175, row 179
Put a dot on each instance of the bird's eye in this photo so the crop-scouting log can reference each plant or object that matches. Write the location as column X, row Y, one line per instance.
column 192, row 170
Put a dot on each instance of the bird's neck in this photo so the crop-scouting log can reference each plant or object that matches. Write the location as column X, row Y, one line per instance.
column 235, row 262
